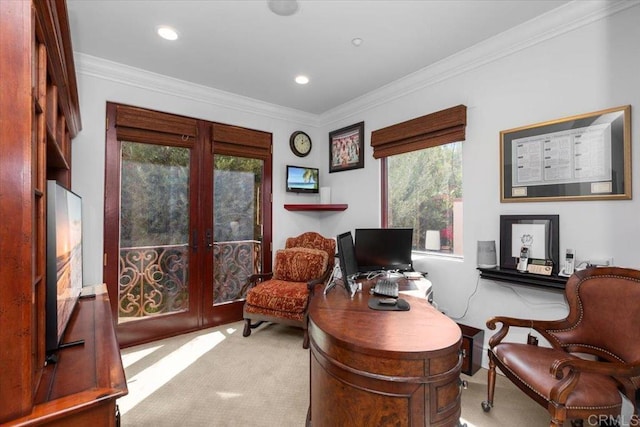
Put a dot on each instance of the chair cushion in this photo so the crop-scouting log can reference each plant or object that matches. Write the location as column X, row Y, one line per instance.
column 314, row 240
column 300, row 264
column 280, row 296
column 531, row 365
column 252, row 309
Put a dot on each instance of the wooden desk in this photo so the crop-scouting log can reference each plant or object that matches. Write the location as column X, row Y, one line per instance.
column 379, row 368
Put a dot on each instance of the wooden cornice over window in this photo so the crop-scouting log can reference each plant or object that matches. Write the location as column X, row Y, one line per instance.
column 153, row 127
column 236, row 141
column 441, row 127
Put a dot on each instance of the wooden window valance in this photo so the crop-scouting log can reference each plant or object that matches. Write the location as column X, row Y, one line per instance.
column 153, row 127
column 441, row 127
column 237, row 141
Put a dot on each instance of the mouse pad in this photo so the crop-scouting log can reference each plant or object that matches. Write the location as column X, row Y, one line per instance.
column 401, row 305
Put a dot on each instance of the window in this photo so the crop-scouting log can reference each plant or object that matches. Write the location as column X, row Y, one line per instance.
column 422, row 178
column 424, row 192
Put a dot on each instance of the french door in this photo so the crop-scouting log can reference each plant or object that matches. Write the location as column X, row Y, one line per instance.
column 186, row 221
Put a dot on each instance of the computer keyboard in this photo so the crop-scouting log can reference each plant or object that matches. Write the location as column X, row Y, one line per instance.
column 386, row 287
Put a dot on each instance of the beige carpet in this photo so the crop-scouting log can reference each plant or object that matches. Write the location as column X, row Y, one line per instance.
column 216, row 377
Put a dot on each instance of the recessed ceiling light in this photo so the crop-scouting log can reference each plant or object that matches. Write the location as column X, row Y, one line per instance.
column 302, row 80
column 283, row 7
column 167, row 33
column 356, row 42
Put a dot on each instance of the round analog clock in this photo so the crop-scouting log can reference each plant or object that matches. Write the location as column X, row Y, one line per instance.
column 300, row 143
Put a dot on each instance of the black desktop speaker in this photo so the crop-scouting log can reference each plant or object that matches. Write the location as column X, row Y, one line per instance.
column 487, row 254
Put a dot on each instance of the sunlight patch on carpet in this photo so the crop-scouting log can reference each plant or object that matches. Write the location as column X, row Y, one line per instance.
column 227, row 395
column 146, row 382
column 131, row 358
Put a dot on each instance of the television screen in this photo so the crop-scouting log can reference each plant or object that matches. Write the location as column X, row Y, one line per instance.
column 347, row 258
column 64, row 260
column 302, row 180
column 383, row 249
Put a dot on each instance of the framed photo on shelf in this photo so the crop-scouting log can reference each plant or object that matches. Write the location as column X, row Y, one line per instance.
column 346, row 148
column 585, row 157
column 539, row 233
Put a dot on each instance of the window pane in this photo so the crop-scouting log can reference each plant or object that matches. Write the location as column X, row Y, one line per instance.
column 238, row 225
column 425, row 193
column 154, row 230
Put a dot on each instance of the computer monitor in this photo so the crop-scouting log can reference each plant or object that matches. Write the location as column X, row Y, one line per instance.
column 347, row 258
column 383, row 249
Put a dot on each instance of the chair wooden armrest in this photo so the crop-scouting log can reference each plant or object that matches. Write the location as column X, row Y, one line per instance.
column 613, row 369
column 253, row 280
column 568, row 371
column 311, row 284
column 540, row 326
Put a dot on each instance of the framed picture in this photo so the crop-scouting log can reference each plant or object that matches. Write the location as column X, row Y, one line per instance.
column 539, row 233
column 346, row 148
column 586, row 157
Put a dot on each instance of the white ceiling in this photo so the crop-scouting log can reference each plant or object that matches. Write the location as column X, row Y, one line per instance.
column 241, row 47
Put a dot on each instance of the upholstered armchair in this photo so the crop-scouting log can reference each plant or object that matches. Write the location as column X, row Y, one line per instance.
column 283, row 295
column 594, row 353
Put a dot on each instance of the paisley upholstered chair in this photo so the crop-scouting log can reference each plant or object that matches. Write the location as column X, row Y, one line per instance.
column 283, row 295
column 594, row 358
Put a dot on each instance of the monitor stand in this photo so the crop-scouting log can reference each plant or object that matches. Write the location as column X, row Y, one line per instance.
column 352, row 286
column 331, row 282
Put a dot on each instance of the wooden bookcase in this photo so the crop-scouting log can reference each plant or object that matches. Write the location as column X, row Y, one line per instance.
column 39, row 116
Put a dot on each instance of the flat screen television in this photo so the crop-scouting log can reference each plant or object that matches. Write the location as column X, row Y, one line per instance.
column 64, row 260
column 302, row 180
column 383, row 249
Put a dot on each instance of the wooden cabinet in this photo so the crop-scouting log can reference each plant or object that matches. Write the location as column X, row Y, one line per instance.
column 39, row 116
column 472, row 343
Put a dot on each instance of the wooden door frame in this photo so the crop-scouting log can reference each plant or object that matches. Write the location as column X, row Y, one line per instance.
column 232, row 310
column 156, row 327
column 201, row 265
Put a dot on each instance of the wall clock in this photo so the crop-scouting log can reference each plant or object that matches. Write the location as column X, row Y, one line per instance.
column 300, row 143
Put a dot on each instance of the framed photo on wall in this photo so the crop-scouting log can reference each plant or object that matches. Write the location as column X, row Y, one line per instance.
column 346, row 148
column 585, row 157
column 539, row 233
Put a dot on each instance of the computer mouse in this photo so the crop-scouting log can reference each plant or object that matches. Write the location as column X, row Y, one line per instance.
column 402, row 304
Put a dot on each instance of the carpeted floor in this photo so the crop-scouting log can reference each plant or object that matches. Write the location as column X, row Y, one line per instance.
column 218, row 378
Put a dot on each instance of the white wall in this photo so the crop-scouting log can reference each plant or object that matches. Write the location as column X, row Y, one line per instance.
column 549, row 75
column 100, row 81
column 590, row 68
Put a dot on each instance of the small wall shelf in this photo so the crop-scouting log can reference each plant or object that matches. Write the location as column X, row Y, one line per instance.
column 316, row 207
column 530, row 279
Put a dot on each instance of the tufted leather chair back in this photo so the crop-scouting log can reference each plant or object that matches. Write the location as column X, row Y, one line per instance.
column 604, row 314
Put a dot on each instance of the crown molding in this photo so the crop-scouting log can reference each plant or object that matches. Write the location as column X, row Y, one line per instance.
column 564, row 19
column 135, row 77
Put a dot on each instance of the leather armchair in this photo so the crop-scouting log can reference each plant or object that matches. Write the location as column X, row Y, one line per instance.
column 283, row 295
column 594, row 353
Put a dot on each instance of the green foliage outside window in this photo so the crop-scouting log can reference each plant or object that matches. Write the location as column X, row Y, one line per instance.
column 237, row 182
column 422, row 188
column 154, row 207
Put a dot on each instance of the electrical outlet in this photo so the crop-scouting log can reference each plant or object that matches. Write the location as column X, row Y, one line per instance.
column 601, row 262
